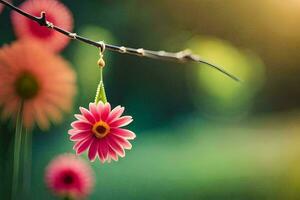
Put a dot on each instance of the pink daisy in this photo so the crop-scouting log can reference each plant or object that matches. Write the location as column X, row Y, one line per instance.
column 99, row 131
column 56, row 13
column 69, row 176
column 42, row 80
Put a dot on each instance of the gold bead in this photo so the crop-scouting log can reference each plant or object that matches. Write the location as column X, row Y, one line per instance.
column 101, row 62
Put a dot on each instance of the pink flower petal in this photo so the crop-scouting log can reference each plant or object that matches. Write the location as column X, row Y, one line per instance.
column 101, row 156
column 87, row 115
column 81, row 118
column 93, row 151
column 122, row 121
column 103, row 150
column 73, row 131
column 123, row 133
column 78, row 143
column 84, row 146
column 81, row 125
column 80, row 136
column 115, row 114
column 93, row 109
column 105, row 112
column 123, row 142
column 113, row 154
column 116, row 146
column 100, row 107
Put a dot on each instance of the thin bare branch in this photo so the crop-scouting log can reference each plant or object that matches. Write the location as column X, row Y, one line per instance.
column 181, row 56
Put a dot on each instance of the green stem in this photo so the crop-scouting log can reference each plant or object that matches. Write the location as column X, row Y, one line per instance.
column 27, row 158
column 17, row 148
column 100, row 94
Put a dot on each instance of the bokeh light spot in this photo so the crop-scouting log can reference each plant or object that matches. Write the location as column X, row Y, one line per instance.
column 221, row 93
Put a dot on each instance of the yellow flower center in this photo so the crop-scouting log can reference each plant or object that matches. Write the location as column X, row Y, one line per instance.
column 101, row 129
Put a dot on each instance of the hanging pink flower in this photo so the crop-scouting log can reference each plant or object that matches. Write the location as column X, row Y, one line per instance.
column 42, row 81
column 69, row 176
column 99, row 131
column 56, row 13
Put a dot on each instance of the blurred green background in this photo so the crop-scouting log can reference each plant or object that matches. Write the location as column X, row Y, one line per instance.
column 199, row 134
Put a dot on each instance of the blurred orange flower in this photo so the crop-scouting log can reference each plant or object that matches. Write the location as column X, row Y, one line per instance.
column 56, row 13
column 43, row 81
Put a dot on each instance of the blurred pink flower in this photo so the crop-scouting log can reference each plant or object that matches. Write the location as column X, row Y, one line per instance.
column 56, row 13
column 99, row 131
column 69, row 176
column 2, row 6
column 43, row 81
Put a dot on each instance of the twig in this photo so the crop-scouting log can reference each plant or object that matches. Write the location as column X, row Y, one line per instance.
column 181, row 56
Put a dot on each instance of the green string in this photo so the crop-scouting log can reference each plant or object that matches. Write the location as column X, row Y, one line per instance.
column 17, row 148
column 100, row 94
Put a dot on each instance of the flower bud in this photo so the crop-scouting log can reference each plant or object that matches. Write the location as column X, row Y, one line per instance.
column 101, row 62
